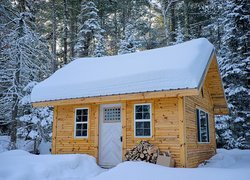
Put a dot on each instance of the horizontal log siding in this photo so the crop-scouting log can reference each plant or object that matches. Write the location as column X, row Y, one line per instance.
column 63, row 131
column 165, row 126
column 198, row 152
column 164, row 122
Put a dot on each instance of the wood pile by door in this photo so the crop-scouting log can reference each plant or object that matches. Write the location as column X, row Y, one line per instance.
column 144, row 151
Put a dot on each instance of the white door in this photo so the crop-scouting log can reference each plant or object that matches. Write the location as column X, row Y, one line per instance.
column 110, row 135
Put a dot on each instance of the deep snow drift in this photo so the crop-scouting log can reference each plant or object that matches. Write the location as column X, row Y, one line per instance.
column 226, row 165
column 20, row 165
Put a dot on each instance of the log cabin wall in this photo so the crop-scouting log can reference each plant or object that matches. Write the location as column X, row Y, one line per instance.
column 199, row 152
column 63, row 140
column 165, row 128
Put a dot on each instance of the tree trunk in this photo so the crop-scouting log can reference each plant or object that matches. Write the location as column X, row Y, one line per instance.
column 54, row 36
column 65, row 31
column 172, row 23
column 16, row 84
column 186, row 14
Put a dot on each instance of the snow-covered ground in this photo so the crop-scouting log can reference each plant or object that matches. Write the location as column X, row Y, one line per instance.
column 226, row 165
column 20, row 165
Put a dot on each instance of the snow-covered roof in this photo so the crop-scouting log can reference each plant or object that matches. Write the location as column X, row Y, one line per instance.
column 175, row 67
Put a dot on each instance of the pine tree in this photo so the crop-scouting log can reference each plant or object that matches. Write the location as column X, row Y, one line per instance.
column 234, row 65
column 89, row 29
column 128, row 44
column 179, row 35
column 99, row 50
column 24, row 57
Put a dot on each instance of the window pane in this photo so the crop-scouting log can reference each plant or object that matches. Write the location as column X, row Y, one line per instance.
column 78, row 118
column 138, row 116
column 78, row 112
column 85, row 111
column 84, row 133
column 138, row 108
column 84, row 118
column 78, row 132
column 139, row 125
column 146, row 108
column 146, row 124
column 85, row 126
column 147, row 132
column 139, row 132
column 146, row 116
column 203, row 127
column 78, row 126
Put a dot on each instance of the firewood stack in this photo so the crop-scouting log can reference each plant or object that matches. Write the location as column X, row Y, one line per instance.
column 144, row 151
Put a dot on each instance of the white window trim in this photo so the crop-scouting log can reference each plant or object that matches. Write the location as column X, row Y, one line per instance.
column 87, row 122
column 208, row 129
column 143, row 120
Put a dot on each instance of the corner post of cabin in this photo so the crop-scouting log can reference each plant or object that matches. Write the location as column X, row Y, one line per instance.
column 54, row 130
column 182, row 132
column 124, row 129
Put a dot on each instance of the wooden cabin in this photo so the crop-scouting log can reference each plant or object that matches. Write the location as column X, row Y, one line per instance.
column 168, row 96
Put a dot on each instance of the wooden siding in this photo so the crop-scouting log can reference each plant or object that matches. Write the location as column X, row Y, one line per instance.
column 64, row 141
column 216, row 90
column 198, row 152
column 165, row 124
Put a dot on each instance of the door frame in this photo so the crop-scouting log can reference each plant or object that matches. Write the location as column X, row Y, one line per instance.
column 101, row 113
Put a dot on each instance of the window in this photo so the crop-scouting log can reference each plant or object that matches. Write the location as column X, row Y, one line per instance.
column 143, row 124
column 81, row 122
column 203, row 125
column 112, row 114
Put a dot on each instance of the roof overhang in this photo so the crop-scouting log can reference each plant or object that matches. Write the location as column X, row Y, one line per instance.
column 120, row 97
column 211, row 77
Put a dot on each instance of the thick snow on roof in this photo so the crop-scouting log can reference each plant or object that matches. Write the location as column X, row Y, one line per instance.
column 175, row 67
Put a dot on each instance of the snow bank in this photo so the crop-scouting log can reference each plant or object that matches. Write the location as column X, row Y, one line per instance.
column 21, row 165
column 151, row 70
column 226, row 165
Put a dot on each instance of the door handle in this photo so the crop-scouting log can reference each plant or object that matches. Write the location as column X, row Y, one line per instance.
column 121, row 138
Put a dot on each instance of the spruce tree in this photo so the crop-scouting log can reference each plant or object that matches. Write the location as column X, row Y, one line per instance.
column 89, row 29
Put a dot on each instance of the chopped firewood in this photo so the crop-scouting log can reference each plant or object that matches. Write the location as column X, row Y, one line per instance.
column 144, row 151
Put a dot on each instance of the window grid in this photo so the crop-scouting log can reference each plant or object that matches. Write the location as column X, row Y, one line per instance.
column 81, row 122
column 112, row 114
column 142, row 118
column 203, row 126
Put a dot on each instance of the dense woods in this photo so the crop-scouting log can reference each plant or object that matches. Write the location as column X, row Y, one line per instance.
column 39, row 37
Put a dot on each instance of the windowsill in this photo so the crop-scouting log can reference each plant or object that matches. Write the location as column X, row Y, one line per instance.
column 203, row 142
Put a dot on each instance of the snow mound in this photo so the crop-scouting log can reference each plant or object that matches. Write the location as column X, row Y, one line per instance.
column 145, row 71
column 226, row 165
column 230, row 159
column 20, row 165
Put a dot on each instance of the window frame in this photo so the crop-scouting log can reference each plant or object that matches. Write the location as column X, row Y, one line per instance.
column 143, row 120
column 198, row 121
column 75, row 123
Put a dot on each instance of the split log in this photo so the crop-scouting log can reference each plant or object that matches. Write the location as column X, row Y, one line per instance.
column 144, row 151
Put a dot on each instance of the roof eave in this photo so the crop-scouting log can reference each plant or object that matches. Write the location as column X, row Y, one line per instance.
column 120, row 97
